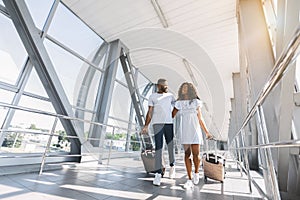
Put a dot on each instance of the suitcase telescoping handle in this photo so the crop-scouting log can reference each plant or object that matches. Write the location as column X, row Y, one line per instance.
column 146, row 141
column 207, row 149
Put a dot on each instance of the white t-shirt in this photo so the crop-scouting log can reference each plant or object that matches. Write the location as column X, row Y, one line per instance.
column 163, row 104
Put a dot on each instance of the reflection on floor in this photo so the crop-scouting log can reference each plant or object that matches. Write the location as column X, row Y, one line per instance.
column 123, row 179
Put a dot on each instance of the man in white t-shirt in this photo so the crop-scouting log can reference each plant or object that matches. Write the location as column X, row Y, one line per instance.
column 159, row 113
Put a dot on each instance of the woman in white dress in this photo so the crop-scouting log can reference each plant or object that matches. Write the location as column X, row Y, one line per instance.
column 188, row 105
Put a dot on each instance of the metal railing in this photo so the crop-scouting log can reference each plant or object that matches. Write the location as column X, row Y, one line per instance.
column 287, row 57
column 52, row 134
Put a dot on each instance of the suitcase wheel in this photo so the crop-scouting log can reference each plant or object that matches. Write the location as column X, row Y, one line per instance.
column 205, row 179
column 163, row 172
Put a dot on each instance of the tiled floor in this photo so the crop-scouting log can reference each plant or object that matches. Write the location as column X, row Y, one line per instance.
column 123, row 179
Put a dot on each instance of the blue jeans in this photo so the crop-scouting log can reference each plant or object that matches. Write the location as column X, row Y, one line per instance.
column 161, row 130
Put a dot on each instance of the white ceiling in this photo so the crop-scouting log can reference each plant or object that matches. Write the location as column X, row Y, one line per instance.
column 205, row 33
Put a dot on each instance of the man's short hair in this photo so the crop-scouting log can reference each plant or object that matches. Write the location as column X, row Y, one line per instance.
column 161, row 81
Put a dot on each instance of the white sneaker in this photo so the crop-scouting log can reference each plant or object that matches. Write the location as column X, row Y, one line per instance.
column 172, row 172
column 156, row 180
column 196, row 178
column 188, row 185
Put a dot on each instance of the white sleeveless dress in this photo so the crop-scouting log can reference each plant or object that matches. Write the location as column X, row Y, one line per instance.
column 189, row 127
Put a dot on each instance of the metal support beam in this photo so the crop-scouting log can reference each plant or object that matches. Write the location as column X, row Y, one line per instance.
column 288, row 20
column 24, row 75
column 104, row 95
column 246, row 160
column 37, row 53
column 285, row 125
column 258, row 61
column 269, row 170
column 133, row 89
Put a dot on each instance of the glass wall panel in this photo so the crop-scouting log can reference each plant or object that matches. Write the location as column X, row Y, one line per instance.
column 60, row 143
column 27, row 120
column 12, row 51
column 34, row 84
column 39, row 11
column 116, row 141
column 120, row 106
column 38, row 104
column 25, row 133
column 142, row 83
column 69, row 69
column 6, row 96
column 3, row 112
column 101, row 64
column 120, row 74
column 85, row 126
column 77, row 36
column 27, row 140
column 83, row 84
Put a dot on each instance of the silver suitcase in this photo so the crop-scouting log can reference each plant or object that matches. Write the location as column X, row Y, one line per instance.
column 148, row 154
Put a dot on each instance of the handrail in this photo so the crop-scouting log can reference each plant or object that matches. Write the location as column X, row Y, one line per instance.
column 46, row 154
column 281, row 65
column 287, row 56
column 6, row 105
column 287, row 143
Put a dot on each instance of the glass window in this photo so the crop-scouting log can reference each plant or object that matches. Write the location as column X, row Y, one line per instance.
column 34, row 84
column 120, row 76
column 120, row 104
column 77, row 36
column 39, row 11
column 84, row 126
column 60, row 143
column 21, row 141
column 12, row 51
column 88, row 87
column 38, row 104
column 23, row 119
column 3, row 112
column 72, row 72
column 142, row 82
column 6, row 96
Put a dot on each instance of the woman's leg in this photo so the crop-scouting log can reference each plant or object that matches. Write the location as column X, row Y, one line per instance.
column 196, row 156
column 187, row 159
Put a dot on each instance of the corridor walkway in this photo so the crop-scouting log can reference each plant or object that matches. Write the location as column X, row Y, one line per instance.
column 124, row 178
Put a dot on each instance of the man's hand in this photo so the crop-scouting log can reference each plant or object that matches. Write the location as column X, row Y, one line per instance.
column 144, row 130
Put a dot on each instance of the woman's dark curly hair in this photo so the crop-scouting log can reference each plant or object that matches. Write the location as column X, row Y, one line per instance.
column 192, row 92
